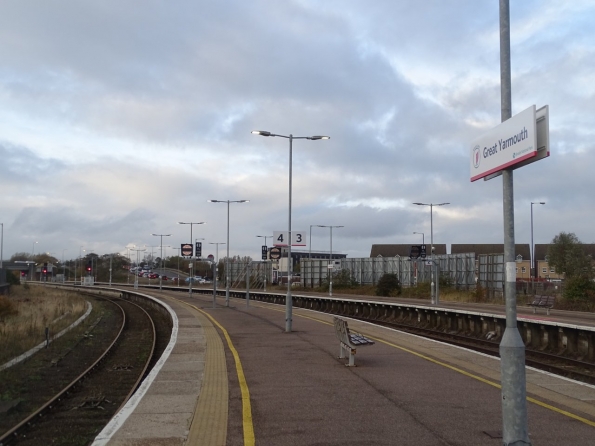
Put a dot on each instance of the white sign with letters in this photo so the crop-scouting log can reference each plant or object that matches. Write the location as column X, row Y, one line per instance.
column 298, row 238
column 510, row 143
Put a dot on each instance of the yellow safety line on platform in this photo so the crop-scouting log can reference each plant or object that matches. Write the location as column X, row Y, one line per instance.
column 456, row 369
column 247, row 423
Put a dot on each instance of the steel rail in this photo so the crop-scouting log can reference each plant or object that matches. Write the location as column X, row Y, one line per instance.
column 47, row 406
column 149, row 358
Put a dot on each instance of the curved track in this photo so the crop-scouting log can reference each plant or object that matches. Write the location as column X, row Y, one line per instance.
column 74, row 413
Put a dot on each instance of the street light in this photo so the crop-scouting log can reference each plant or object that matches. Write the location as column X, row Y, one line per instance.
column 423, row 237
column 63, row 266
column 532, row 272
column 288, row 299
column 331, row 263
column 265, row 237
column 215, row 269
column 192, row 256
column 33, row 250
column 178, row 273
column 76, row 267
column 138, row 251
column 161, row 275
column 432, row 288
column 227, row 258
column 2, row 247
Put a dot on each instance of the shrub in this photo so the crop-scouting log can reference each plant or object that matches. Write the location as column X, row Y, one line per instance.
column 7, row 307
column 12, row 279
column 579, row 288
column 341, row 279
column 388, row 285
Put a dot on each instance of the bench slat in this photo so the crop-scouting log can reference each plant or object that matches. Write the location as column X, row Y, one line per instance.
column 543, row 301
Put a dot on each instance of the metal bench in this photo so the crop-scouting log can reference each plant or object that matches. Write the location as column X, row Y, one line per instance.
column 540, row 301
column 348, row 342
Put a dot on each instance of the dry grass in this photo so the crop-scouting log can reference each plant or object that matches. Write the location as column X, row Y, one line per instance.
column 29, row 311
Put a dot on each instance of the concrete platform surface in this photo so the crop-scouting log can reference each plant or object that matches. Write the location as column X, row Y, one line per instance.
column 291, row 389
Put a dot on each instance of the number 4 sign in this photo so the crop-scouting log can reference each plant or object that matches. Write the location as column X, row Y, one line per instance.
column 298, row 238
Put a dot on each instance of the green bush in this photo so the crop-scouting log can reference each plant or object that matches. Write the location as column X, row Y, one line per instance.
column 341, row 279
column 579, row 288
column 11, row 278
column 7, row 308
column 388, row 285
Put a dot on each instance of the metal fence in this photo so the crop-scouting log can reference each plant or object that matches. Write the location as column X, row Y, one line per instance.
column 491, row 274
column 259, row 273
column 459, row 268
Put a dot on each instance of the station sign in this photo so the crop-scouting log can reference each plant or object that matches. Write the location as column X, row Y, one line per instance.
column 275, row 253
column 542, row 126
column 512, row 142
column 298, row 238
column 417, row 251
column 186, row 249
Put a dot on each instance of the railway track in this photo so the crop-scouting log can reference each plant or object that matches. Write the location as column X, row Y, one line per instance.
column 73, row 413
column 557, row 364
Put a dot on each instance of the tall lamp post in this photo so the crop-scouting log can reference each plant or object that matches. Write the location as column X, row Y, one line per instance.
column 423, row 237
column 331, row 263
column 129, row 266
column 63, row 266
column 2, row 247
column 288, row 299
column 138, row 251
column 179, row 252
column 192, row 256
column 533, row 246
column 161, row 256
column 227, row 258
column 432, row 287
column 216, row 268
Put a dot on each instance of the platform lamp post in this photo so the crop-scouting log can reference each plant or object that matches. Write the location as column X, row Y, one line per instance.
column 2, row 247
column 196, row 251
column 138, row 251
column 215, row 270
column 192, row 256
column 423, row 237
column 533, row 246
column 227, row 258
column 331, row 263
column 161, row 255
column 179, row 253
column 81, row 250
column 288, row 299
column 129, row 265
column 432, row 284
column 63, row 266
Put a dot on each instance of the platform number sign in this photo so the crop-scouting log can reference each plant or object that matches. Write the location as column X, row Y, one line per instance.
column 265, row 251
column 198, row 249
column 298, row 238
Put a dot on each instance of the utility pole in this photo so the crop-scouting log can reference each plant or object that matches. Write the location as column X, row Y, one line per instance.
column 512, row 348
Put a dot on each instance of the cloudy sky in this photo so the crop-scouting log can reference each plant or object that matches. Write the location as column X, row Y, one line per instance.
column 119, row 119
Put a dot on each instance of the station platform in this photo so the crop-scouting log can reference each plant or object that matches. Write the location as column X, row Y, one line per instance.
column 235, row 377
